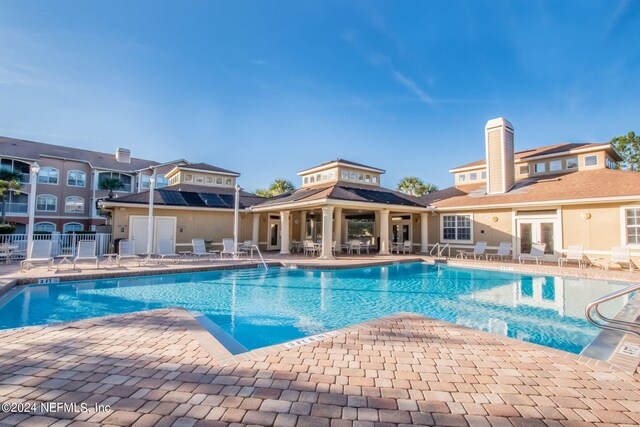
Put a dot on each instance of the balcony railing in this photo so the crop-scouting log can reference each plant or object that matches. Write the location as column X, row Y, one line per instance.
column 15, row 208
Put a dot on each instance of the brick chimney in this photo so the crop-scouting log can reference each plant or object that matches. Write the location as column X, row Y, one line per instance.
column 123, row 155
column 500, row 155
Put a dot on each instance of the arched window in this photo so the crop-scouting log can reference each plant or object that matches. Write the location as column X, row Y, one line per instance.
column 76, row 179
column 72, row 227
column 74, row 204
column 45, row 227
column 126, row 180
column 46, row 203
column 48, row 176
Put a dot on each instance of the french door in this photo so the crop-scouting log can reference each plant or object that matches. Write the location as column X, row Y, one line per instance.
column 273, row 238
column 531, row 231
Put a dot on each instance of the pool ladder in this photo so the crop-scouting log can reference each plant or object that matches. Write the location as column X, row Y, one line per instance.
column 612, row 324
column 440, row 250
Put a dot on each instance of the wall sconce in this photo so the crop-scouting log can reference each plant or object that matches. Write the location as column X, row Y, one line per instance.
column 417, row 220
column 123, row 228
column 585, row 215
column 494, row 219
column 297, row 221
column 181, row 228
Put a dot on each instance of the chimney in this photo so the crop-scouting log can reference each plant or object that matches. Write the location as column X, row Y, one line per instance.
column 500, row 155
column 123, row 155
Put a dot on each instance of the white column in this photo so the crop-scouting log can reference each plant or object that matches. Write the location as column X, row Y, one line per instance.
column 236, row 217
column 384, row 232
column 284, row 233
column 255, row 229
column 152, row 182
column 303, row 225
column 327, row 232
column 33, row 180
column 424, row 232
column 338, row 234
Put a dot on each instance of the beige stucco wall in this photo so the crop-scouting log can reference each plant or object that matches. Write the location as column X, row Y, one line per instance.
column 600, row 232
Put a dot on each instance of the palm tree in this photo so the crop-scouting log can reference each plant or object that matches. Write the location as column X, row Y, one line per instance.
column 415, row 186
column 111, row 184
column 9, row 182
column 277, row 187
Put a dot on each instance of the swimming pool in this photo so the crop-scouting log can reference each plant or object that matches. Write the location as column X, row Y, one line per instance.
column 258, row 308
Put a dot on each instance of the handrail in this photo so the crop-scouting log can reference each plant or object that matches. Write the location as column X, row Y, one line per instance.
column 447, row 246
column 593, row 308
column 261, row 259
column 441, row 250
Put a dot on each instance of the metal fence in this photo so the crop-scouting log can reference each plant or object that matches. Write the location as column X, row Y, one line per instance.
column 62, row 244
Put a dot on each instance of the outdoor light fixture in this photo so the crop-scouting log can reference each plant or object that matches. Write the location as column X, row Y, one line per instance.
column 585, row 215
column 494, row 219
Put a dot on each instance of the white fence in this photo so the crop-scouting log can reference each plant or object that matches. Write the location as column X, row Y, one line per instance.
column 62, row 244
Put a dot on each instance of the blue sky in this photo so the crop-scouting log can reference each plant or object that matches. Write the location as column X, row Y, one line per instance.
column 269, row 88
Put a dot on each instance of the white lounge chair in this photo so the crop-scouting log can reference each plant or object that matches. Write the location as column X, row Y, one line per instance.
column 166, row 251
column 200, row 249
column 228, row 249
column 536, row 254
column 86, row 252
column 126, row 250
column 40, row 253
column 504, row 251
column 619, row 256
column 574, row 253
column 477, row 253
column 309, row 248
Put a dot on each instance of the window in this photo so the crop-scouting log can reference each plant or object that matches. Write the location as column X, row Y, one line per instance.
column 539, row 167
column 228, row 181
column 572, row 163
column 199, row 179
column 633, row 226
column 462, row 177
column 374, row 179
column 48, row 176
column 456, row 227
column 188, row 177
column 219, row 180
column 209, row 180
column 524, row 169
column 367, row 178
column 125, row 179
column 555, row 165
column 161, row 181
column 353, row 175
column 74, row 204
column 144, row 181
column 305, row 180
column 72, row 227
column 344, row 175
column 46, row 203
column 312, row 179
column 76, row 179
column 610, row 164
column 483, row 175
column 473, row 176
column 17, row 166
column 591, row 160
column 44, row 227
column 331, row 176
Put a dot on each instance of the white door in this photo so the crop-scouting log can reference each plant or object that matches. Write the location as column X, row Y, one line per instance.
column 539, row 230
column 273, row 237
column 139, row 233
column 165, row 228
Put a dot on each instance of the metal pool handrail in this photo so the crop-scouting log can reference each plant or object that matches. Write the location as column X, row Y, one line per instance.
column 261, row 259
column 625, row 327
column 440, row 250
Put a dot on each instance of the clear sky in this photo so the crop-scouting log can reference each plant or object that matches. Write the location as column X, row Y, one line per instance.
column 269, row 88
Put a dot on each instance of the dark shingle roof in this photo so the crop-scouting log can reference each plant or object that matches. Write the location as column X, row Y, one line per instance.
column 33, row 150
column 207, row 167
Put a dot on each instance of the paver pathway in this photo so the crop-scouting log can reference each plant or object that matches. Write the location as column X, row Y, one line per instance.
column 151, row 369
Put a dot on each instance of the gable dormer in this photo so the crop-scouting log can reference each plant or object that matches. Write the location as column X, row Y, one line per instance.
column 202, row 174
column 341, row 171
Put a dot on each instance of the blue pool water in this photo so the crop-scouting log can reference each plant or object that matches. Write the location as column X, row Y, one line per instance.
column 259, row 308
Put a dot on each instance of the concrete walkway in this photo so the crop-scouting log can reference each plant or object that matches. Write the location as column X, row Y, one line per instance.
column 153, row 368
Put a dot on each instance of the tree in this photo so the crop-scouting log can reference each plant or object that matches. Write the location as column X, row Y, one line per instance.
column 277, row 187
column 415, row 186
column 9, row 182
column 111, row 184
column 629, row 146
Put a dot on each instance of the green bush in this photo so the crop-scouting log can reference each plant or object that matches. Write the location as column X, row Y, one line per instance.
column 7, row 228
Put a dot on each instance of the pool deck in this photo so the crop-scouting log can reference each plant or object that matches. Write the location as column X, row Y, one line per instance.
column 161, row 369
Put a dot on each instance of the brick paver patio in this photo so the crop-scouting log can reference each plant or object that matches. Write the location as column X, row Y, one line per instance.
column 154, row 368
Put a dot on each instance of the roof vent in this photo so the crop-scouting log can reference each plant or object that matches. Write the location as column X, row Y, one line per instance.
column 123, row 155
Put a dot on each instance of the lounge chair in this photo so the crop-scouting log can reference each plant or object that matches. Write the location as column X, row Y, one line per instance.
column 619, row 256
column 86, row 252
column 200, row 249
column 504, row 251
column 228, row 249
column 40, row 253
column 536, row 254
column 477, row 253
column 126, row 250
column 166, row 251
column 574, row 253
column 309, row 248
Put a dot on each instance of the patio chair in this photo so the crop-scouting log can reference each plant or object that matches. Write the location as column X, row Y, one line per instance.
column 200, row 249
column 407, row 246
column 9, row 252
column 309, row 248
column 228, row 249
column 166, row 251
column 40, row 253
column 356, row 245
column 574, row 253
column 536, row 254
column 86, row 252
column 477, row 253
column 619, row 256
column 504, row 251
column 126, row 250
